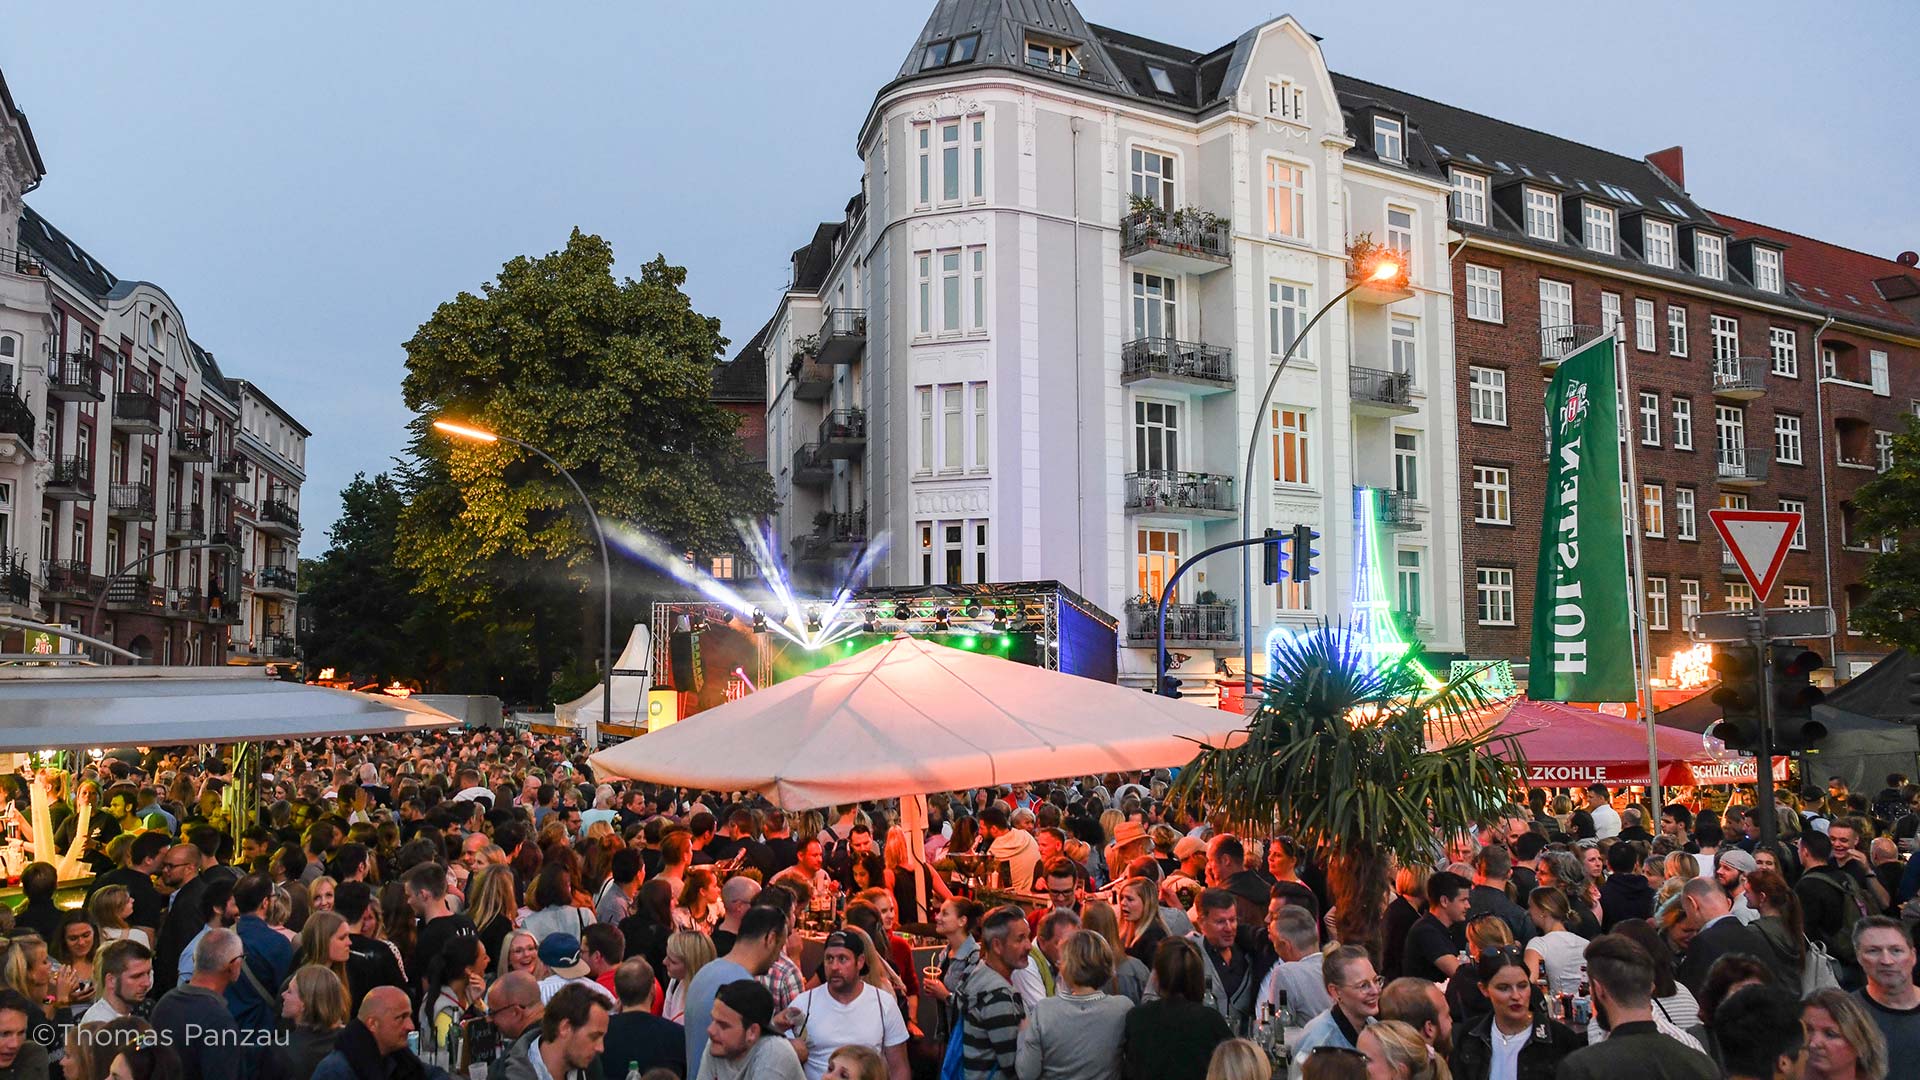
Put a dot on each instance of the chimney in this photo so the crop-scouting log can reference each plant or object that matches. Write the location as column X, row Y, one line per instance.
column 1672, row 162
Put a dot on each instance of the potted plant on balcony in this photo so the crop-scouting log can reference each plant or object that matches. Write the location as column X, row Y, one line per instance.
column 822, row 520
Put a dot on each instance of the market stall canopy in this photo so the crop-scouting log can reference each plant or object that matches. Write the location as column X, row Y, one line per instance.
column 58, row 708
column 910, row 716
column 1567, row 746
column 629, row 691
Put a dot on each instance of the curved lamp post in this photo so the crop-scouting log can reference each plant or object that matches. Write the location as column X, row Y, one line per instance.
column 1383, row 271
column 463, row 431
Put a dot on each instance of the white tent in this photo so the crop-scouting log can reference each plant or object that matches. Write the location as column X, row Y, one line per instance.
column 629, row 691
column 909, row 716
column 59, row 708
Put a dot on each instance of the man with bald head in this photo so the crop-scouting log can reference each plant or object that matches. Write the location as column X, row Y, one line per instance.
column 199, row 1006
column 375, row 1043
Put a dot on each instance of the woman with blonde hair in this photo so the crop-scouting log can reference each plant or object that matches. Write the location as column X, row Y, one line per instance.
column 315, row 1005
column 905, row 874
column 687, row 952
column 1141, row 927
column 1843, row 1042
column 1077, row 1033
column 326, row 941
column 854, row 1062
column 491, row 906
column 279, row 910
column 111, row 907
column 1129, row 974
column 520, row 952
column 1403, row 1051
column 1239, row 1059
column 1555, row 951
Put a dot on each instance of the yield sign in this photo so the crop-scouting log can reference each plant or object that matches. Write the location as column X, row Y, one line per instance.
column 1758, row 540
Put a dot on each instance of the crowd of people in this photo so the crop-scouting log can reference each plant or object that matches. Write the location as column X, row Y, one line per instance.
column 478, row 904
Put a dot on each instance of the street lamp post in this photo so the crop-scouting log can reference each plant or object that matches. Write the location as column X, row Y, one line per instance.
column 1383, row 271
column 606, row 568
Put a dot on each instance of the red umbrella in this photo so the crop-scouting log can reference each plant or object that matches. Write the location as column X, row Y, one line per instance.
column 1567, row 746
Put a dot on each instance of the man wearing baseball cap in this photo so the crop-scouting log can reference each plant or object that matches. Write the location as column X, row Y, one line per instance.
column 1731, row 870
column 1192, row 856
column 561, row 953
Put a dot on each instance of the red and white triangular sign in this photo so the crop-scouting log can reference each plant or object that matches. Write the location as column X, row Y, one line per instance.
column 1758, row 540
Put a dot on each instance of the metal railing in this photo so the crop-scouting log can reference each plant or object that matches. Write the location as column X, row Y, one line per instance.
column 69, row 576
column 74, row 373
column 1740, row 373
column 1068, row 71
column 1158, row 491
column 136, row 407
column 1170, row 358
column 190, row 520
column 16, row 583
column 843, row 527
column 277, row 511
column 1391, row 506
column 1180, row 230
column 26, row 262
column 1559, row 342
column 843, row 323
column 843, row 424
column 193, row 444
column 1186, row 623
column 278, row 647
column 16, row 417
column 275, row 576
column 72, row 472
column 1376, row 385
column 127, row 499
column 1741, row 463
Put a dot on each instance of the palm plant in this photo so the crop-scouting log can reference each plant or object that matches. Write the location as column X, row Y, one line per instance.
column 1362, row 761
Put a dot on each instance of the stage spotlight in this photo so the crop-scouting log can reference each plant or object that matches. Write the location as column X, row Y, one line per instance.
column 973, row 609
column 999, row 618
column 759, row 621
column 942, row 618
column 871, row 624
column 903, row 610
column 813, row 620
column 698, row 624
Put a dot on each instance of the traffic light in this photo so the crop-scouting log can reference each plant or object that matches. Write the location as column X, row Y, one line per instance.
column 1738, row 695
column 1794, row 697
column 1169, row 686
column 1272, row 554
column 1302, row 568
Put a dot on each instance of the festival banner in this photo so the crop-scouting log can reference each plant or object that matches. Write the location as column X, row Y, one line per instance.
column 1582, row 615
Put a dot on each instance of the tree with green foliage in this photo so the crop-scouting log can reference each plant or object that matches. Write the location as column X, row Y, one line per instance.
column 1889, row 505
column 1361, row 762
column 612, row 377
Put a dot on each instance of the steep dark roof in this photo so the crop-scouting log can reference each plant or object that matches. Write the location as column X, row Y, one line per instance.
column 1851, row 285
column 1510, row 153
column 38, row 235
column 812, row 263
column 744, row 378
column 210, row 375
column 1133, row 56
column 26, row 132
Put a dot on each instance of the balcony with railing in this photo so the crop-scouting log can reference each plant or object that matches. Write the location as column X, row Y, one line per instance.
column 1163, row 363
column 843, row 434
column 75, row 377
column 278, row 518
column 1559, row 342
column 277, row 579
column 68, row 579
column 843, row 335
column 16, row 584
column 1189, row 626
column 279, row 647
column 26, row 262
column 1741, row 466
column 17, row 422
column 835, row 534
column 136, row 413
column 812, row 380
column 192, row 445
column 187, row 523
column 185, row 601
column 134, row 594
column 1180, row 494
column 231, row 468
column 71, row 480
column 1380, row 393
column 1740, row 378
column 1185, row 241
column 1390, row 507
column 811, row 466
column 130, row 502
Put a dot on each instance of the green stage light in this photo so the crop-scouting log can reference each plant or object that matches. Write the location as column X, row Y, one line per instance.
column 1006, row 641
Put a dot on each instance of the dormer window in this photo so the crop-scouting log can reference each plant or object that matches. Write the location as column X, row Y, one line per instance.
column 1659, row 243
column 1469, row 198
column 958, row 50
column 1598, row 229
column 1710, row 256
column 1543, row 214
column 1766, row 269
column 1053, row 55
column 1389, row 143
column 1286, row 101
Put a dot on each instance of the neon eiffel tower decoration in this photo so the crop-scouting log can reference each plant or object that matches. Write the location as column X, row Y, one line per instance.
column 1374, row 632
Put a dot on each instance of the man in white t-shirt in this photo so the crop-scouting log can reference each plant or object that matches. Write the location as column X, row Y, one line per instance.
column 126, row 974
column 1606, row 820
column 846, row 1010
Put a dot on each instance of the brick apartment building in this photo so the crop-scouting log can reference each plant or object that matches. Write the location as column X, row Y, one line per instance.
column 1724, row 395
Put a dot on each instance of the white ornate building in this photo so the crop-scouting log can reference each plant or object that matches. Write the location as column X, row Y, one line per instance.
column 1035, row 346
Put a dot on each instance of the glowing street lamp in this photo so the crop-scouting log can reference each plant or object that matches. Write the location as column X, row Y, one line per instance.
column 465, row 431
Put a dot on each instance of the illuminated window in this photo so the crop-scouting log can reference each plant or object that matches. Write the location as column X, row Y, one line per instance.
column 1291, row 446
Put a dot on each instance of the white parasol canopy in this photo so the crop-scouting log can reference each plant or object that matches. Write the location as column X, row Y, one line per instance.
column 910, row 716
column 58, row 708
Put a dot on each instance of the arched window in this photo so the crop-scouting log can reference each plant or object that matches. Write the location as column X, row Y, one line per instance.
column 8, row 351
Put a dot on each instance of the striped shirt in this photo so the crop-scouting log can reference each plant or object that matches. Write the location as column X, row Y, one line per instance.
column 992, row 1011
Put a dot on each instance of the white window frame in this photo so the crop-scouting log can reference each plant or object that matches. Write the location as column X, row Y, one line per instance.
column 960, row 285
column 1152, row 567
column 1560, row 303
column 1799, row 540
column 1410, row 581
column 1164, row 433
column 1653, row 510
column 1766, row 270
column 1154, row 297
column 1286, row 206
column 1682, row 423
column 1739, row 596
column 1487, row 396
column 1469, row 199
column 1725, row 331
column 1786, row 439
column 1494, row 599
column 951, row 151
column 1403, row 347
column 1162, row 188
column 1689, row 601
column 1649, row 418
column 1710, row 255
column 1406, row 464
column 1484, row 297
column 942, row 410
column 1676, row 330
column 1289, row 306
column 1389, row 139
column 1611, row 316
column 1492, row 495
column 1878, row 374
column 1783, row 342
column 1659, row 243
column 1796, row 596
column 1686, row 521
column 1542, row 213
column 976, row 160
column 1646, row 336
column 1599, row 228
column 1286, row 101
column 1882, row 450
column 1656, row 603
column 1288, row 422
column 1402, row 239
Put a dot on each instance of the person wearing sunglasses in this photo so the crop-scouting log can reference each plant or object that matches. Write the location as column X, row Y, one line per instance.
column 1511, row 1042
column 1355, row 990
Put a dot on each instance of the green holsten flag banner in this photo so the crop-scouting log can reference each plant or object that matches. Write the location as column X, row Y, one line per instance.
column 1582, row 622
